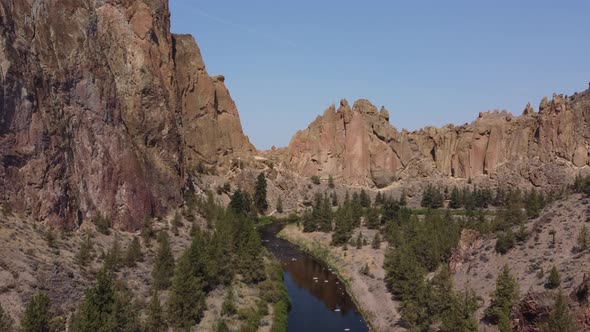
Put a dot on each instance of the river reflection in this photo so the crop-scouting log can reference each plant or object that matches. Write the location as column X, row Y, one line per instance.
column 319, row 301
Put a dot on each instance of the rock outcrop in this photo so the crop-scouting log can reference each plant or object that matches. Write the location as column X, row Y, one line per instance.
column 360, row 146
column 104, row 111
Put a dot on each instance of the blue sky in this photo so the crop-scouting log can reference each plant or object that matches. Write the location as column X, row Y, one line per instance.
column 428, row 62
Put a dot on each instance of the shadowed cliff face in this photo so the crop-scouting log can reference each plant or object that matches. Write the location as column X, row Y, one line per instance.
column 359, row 145
column 100, row 113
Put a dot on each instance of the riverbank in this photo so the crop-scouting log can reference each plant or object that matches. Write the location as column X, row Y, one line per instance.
column 368, row 290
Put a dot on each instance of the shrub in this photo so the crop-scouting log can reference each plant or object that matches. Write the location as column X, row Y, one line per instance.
column 102, row 224
column 553, row 280
column 315, row 180
column 505, row 242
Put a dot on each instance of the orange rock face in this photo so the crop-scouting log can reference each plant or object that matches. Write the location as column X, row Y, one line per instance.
column 362, row 148
column 104, row 111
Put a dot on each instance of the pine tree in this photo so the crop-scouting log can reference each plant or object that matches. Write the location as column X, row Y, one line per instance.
column 455, row 201
column 504, row 297
column 260, row 194
column 441, row 291
column 6, row 322
column 221, row 326
column 427, row 197
column 359, row 241
column 221, row 253
column 113, row 258
column 134, row 253
column 50, row 238
column 187, row 295
column 533, row 204
column 84, row 256
column 460, row 317
column 504, row 322
column 378, row 199
column 280, row 205
column 553, row 280
column 365, row 199
column 97, row 310
column 250, row 263
column 236, row 203
column 372, row 219
column 38, row 314
column 228, row 308
column 155, row 318
column 164, row 264
column 583, row 240
column 376, row 241
column 334, row 199
column 125, row 317
column 560, row 318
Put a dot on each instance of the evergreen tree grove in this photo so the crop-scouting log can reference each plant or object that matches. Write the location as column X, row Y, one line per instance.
column 106, row 309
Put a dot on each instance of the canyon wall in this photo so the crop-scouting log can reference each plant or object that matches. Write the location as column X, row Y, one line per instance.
column 358, row 145
column 104, row 111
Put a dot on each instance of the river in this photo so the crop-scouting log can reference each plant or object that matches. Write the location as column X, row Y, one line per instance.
column 319, row 301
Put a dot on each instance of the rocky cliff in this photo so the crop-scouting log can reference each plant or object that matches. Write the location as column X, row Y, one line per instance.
column 104, row 111
column 359, row 145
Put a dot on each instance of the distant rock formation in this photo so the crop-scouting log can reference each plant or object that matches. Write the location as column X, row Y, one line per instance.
column 359, row 146
column 104, row 111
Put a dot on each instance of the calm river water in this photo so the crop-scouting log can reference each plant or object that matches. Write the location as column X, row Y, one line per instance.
column 319, row 301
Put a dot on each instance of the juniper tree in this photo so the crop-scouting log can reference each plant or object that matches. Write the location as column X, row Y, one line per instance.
column 553, row 280
column 583, row 239
column 260, row 194
column 37, row 315
column 134, row 253
column 85, row 253
column 376, row 241
column 113, row 258
column 280, row 205
column 359, row 241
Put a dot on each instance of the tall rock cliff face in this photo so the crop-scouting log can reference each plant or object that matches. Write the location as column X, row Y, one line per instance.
column 359, row 145
column 104, row 111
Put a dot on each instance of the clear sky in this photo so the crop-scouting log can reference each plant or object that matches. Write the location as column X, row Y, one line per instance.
column 428, row 62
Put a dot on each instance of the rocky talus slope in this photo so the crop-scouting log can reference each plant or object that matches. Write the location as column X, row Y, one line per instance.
column 530, row 261
column 104, row 111
column 358, row 145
